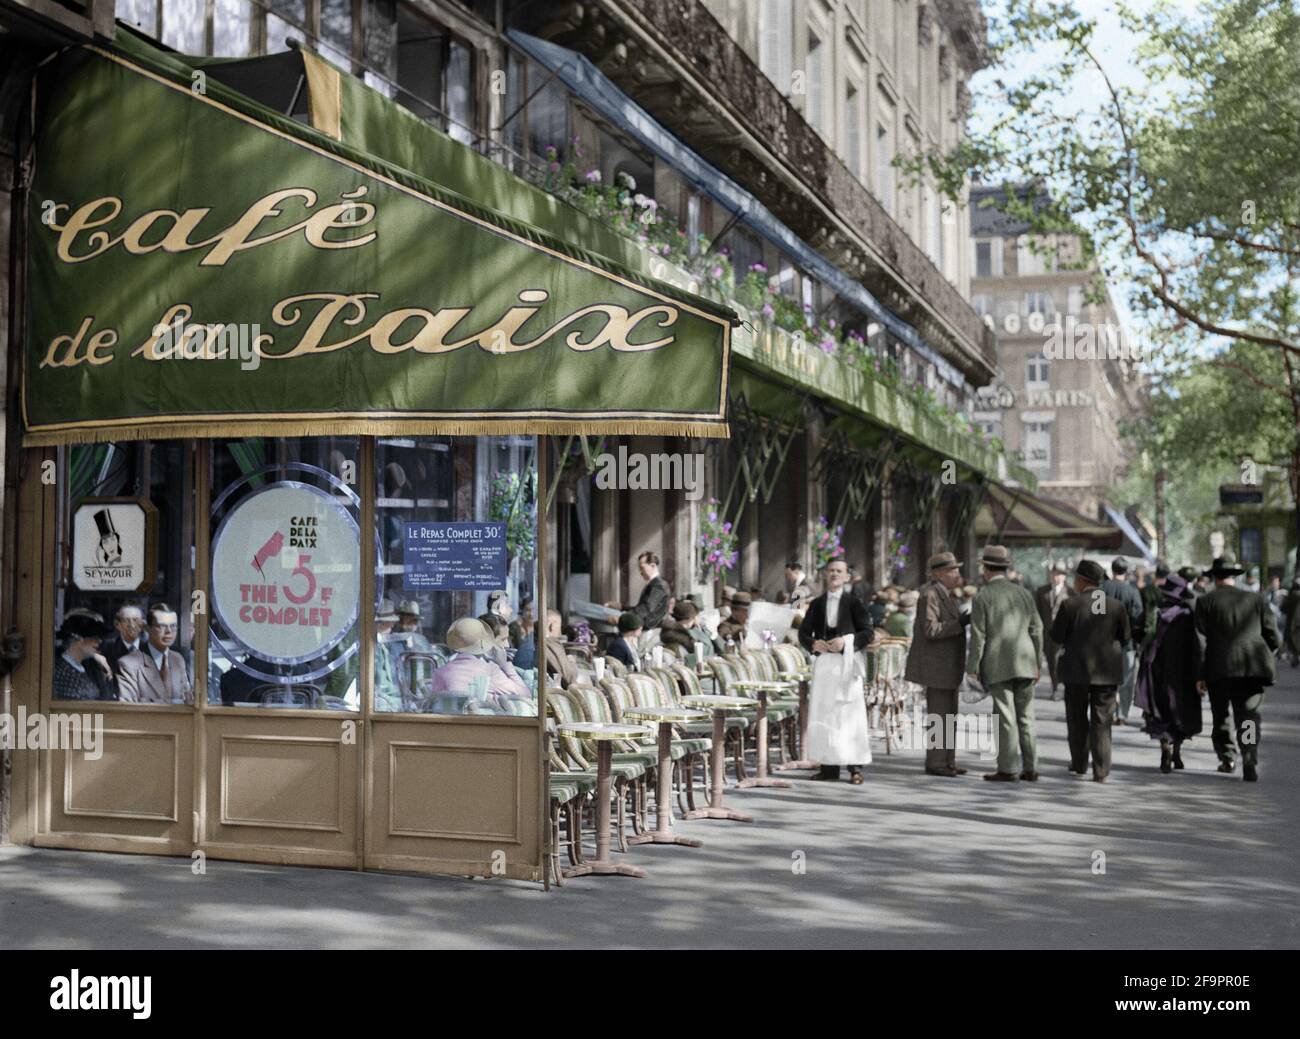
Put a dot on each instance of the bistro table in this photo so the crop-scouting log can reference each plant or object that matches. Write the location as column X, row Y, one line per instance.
column 762, row 687
column 804, row 678
column 603, row 734
column 667, row 717
column 719, row 705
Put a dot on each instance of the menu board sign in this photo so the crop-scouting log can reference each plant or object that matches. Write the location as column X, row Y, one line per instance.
column 455, row 556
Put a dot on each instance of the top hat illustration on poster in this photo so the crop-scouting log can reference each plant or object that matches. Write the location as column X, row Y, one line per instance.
column 109, row 551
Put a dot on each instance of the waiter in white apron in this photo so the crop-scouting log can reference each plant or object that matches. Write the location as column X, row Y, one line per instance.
column 835, row 627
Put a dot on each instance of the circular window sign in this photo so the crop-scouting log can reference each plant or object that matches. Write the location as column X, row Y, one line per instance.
column 286, row 576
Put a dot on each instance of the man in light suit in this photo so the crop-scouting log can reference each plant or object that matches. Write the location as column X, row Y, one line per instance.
column 1237, row 631
column 935, row 658
column 1006, row 647
column 155, row 673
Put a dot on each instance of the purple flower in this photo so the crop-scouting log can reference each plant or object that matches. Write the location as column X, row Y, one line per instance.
column 767, row 311
column 716, row 272
column 592, row 176
column 758, row 268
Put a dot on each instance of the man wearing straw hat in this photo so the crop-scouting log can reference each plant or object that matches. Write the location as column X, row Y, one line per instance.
column 1006, row 646
column 935, row 659
column 1240, row 639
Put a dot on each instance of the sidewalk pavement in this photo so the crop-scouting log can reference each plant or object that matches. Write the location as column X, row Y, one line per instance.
column 1195, row 859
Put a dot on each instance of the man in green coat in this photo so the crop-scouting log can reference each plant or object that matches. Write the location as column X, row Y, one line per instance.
column 1006, row 645
column 1239, row 636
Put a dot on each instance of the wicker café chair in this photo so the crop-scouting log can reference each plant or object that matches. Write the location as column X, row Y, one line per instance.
column 576, row 755
column 686, row 750
column 594, row 707
column 568, row 794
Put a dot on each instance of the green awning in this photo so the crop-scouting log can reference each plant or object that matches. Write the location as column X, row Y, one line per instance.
column 1015, row 516
column 200, row 265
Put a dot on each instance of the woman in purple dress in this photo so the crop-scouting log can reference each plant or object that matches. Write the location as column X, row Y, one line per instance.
column 1166, row 682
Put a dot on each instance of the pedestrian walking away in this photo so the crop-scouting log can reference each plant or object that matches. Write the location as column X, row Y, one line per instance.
column 1048, row 599
column 1094, row 633
column 1006, row 647
column 1121, row 588
column 935, row 658
column 1238, row 639
column 1167, row 674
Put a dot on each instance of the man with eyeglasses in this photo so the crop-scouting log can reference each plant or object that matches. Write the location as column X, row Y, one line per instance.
column 155, row 673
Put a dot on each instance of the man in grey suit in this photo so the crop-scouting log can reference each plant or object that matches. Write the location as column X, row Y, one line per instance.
column 1093, row 631
column 1006, row 648
column 1239, row 637
column 935, row 657
column 155, row 673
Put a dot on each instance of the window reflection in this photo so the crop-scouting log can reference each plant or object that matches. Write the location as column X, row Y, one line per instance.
column 125, row 565
column 455, row 521
column 285, row 582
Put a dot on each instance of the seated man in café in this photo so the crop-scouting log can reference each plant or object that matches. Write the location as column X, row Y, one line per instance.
column 685, row 631
column 626, row 649
column 155, row 673
column 899, row 623
column 129, row 621
column 736, row 626
column 523, row 637
column 500, row 654
column 388, row 690
column 558, row 665
column 471, row 668
column 408, row 627
column 80, row 672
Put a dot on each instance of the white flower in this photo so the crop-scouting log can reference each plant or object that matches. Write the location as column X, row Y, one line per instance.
column 627, row 181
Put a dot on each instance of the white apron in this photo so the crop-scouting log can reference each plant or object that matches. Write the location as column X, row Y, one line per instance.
column 837, row 710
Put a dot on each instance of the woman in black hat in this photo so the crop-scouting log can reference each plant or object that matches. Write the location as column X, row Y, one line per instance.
column 79, row 673
column 1166, row 681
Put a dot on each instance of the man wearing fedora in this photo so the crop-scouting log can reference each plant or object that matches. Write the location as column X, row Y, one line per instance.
column 1237, row 630
column 935, row 658
column 1093, row 632
column 735, row 627
column 1006, row 647
column 1049, row 599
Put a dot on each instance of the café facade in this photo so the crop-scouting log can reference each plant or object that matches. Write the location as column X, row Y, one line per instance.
column 278, row 375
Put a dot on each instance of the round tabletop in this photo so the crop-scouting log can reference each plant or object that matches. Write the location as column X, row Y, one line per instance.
column 734, row 703
column 767, row 685
column 665, row 714
column 604, row 730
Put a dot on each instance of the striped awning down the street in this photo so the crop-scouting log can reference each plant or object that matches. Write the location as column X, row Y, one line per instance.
column 1014, row 515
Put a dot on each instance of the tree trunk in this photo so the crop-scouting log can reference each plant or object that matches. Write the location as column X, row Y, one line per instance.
column 1162, row 547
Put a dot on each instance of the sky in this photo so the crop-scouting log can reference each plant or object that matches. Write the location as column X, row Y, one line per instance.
column 1114, row 47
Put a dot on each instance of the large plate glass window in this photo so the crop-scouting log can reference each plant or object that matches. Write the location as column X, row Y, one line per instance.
column 122, row 621
column 456, row 574
column 285, row 584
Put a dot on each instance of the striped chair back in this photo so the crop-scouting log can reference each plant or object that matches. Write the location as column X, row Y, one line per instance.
column 564, row 711
column 790, row 658
column 615, row 667
column 765, row 663
column 667, row 685
column 646, row 690
column 595, row 707
column 726, row 672
column 619, row 695
column 687, row 680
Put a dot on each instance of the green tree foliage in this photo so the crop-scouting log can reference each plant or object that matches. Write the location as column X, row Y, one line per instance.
column 1187, row 181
